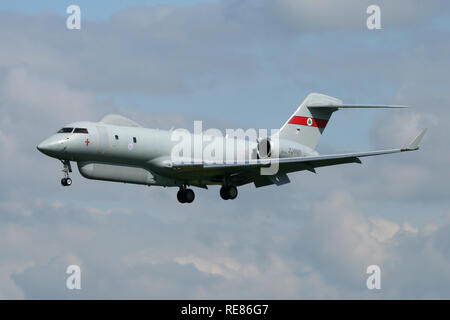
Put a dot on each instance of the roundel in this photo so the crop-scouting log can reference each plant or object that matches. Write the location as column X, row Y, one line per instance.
column 130, row 146
column 309, row 122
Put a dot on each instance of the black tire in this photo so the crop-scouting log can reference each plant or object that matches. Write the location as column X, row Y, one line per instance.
column 189, row 195
column 68, row 182
column 180, row 196
column 64, row 182
column 232, row 192
column 224, row 193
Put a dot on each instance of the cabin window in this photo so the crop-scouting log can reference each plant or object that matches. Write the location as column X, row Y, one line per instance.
column 134, row 139
column 117, row 137
column 81, row 130
column 65, row 130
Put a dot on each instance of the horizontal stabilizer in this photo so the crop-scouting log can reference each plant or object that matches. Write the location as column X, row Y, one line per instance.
column 356, row 106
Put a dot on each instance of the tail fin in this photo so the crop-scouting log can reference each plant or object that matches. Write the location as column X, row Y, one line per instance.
column 306, row 125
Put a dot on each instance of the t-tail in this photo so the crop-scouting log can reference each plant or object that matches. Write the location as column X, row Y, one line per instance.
column 307, row 124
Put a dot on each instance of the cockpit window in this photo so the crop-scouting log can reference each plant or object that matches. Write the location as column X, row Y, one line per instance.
column 66, row 130
column 80, row 130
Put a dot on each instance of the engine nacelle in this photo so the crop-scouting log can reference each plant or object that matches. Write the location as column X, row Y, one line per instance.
column 279, row 148
column 264, row 148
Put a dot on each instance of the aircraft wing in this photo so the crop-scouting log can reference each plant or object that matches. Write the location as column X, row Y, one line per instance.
column 249, row 170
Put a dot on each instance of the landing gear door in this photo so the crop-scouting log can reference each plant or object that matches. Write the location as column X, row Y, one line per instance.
column 103, row 140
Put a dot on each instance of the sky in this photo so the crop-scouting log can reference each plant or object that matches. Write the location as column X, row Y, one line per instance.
column 232, row 64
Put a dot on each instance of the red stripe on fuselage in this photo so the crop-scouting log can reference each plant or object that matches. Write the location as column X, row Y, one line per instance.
column 320, row 123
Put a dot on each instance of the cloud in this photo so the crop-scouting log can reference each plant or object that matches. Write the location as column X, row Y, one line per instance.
column 383, row 230
column 181, row 50
column 319, row 255
column 328, row 15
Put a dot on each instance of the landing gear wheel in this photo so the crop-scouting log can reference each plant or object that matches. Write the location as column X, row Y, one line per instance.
column 185, row 195
column 65, row 182
column 224, row 193
column 232, row 192
column 189, row 195
column 228, row 193
column 180, row 196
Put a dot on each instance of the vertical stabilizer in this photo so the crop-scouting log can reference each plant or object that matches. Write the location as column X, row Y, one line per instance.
column 306, row 125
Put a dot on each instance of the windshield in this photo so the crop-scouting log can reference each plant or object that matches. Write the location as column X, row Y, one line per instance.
column 65, row 130
column 80, row 130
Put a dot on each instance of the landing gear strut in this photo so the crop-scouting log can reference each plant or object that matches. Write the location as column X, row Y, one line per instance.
column 228, row 192
column 66, row 181
column 185, row 195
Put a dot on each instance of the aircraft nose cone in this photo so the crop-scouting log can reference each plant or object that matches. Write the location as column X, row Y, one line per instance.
column 46, row 147
column 41, row 147
column 50, row 147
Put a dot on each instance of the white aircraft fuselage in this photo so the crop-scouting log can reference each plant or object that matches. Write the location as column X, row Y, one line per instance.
column 129, row 154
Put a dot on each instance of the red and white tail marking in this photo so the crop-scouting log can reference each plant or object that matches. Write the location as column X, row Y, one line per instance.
column 308, row 121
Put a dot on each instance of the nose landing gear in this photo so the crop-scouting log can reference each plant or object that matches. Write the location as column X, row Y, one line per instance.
column 185, row 195
column 66, row 181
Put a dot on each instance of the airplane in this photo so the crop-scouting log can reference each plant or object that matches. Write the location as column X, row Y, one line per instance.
column 120, row 150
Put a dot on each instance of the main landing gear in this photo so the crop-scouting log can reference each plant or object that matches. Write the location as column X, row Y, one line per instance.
column 185, row 195
column 228, row 192
column 66, row 181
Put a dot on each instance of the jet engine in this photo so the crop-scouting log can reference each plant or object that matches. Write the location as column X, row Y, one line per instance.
column 264, row 148
column 280, row 148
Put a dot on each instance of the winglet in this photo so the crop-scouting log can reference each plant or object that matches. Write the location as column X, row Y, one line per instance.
column 414, row 145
